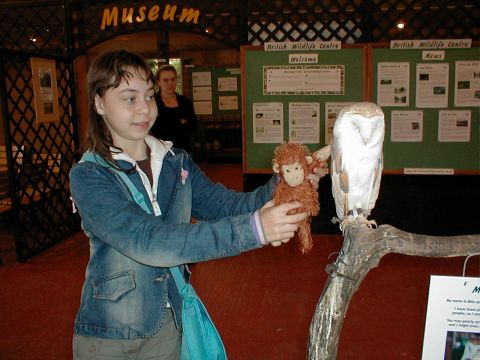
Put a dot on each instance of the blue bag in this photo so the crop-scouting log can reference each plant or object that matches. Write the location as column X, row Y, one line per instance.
column 200, row 338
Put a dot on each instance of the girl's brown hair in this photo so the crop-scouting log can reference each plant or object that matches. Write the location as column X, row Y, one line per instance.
column 107, row 71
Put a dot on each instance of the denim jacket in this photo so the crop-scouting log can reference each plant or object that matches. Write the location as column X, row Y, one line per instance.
column 127, row 281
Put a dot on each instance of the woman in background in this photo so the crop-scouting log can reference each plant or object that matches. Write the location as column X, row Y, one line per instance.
column 176, row 118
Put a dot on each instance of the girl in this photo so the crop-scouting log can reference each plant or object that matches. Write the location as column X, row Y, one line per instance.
column 129, row 302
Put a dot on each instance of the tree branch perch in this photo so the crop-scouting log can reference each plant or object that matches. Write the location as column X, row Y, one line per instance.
column 362, row 250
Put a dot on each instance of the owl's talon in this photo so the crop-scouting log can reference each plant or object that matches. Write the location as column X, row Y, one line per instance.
column 361, row 219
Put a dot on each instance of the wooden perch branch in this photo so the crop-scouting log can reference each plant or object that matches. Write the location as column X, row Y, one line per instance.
column 362, row 250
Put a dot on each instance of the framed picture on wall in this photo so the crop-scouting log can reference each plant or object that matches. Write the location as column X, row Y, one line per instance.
column 45, row 89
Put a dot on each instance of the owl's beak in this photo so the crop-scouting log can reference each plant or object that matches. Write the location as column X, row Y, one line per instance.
column 365, row 133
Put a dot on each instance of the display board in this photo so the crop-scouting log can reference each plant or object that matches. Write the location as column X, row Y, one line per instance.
column 431, row 101
column 295, row 95
column 215, row 91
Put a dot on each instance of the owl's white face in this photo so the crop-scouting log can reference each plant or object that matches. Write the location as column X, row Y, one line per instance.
column 293, row 174
column 369, row 128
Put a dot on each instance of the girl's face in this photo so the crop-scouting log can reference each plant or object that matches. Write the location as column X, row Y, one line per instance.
column 167, row 82
column 128, row 110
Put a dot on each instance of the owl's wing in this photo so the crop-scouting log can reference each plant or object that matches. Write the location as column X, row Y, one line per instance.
column 339, row 183
column 376, row 179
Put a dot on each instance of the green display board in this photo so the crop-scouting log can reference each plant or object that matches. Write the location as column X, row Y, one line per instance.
column 443, row 93
column 266, row 78
column 215, row 91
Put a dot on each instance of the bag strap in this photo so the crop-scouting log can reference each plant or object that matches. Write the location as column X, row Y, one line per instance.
column 178, row 277
column 140, row 200
column 137, row 195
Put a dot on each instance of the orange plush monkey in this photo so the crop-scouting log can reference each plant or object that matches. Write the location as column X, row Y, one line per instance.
column 293, row 162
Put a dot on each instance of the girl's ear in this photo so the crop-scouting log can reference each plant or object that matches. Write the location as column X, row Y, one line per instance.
column 99, row 105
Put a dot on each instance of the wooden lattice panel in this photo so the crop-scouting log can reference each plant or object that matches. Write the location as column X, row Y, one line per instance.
column 42, row 155
column 353, row 21
column 282, row 20
column 433, row 19
column 38, row 28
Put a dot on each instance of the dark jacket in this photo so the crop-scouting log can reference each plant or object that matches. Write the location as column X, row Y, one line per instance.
column 168, row 125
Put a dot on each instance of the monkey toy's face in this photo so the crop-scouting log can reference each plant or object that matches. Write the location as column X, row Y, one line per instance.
column 293, row 174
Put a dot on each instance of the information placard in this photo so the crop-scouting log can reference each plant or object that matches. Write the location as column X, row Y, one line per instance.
column 215, row 91
column 453, row 318
column 431, row 102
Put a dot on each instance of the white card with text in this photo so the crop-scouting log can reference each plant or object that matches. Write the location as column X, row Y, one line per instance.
column 452, row 326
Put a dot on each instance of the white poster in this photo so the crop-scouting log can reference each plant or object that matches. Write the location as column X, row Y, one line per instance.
column 202, row 107
column 234, row 71
column 467, row 83
column 202, row 78
column 227, row 83
column 454, row 125
column 228, row 102
column 332, row 109
column 304, row 122
column 304, row 80
column 432, row 85
column 393, row 86
column 453, row 318
column 267, row 123
column 45, row 92
column 407, row 126
column 202, row 93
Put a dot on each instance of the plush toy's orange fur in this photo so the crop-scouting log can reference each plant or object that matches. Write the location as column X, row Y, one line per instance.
column 304, row 193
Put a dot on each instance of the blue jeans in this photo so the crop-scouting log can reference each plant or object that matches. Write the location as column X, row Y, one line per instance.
column 165, row 345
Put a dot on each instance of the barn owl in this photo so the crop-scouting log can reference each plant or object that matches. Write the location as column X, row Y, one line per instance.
column 357, row 162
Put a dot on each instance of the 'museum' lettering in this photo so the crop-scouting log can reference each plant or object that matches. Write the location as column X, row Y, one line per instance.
column 129, row 15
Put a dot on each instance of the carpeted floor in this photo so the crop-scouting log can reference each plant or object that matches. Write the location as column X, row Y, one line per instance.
column 262, row 301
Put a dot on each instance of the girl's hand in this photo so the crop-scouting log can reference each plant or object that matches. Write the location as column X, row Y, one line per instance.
column 278, row 226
